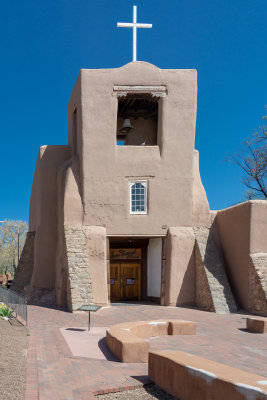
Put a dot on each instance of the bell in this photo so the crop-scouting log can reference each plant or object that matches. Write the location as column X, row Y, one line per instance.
column 126, row 126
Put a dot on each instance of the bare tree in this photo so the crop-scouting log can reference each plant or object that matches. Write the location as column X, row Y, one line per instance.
column 12, row 238
column 252, row 159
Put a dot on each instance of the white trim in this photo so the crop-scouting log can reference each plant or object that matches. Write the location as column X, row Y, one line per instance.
column 155, row 91
column 145, row 184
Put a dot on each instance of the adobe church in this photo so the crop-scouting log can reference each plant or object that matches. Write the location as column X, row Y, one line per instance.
column 120, row 213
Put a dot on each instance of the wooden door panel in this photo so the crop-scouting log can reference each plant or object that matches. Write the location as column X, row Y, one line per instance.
column 130, row 275
column 115, row 284
column 125, row 281
column 130, row 271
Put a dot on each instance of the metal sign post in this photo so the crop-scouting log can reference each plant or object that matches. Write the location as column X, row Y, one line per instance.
column 89, row 308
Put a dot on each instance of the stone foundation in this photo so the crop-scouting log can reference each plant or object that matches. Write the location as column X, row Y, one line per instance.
column 213, row 292
column 79, row 277
column 258, row 283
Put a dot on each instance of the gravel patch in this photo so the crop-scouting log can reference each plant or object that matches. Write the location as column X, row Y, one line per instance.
column 147, row 392
column 14, row 344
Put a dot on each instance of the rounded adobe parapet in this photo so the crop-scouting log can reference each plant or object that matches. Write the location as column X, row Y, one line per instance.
column 134, row 64
column 128, row 341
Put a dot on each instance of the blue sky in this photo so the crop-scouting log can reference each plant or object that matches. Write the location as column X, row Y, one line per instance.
column 44, row 44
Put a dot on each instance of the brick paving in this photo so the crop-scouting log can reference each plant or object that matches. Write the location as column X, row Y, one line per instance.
column 53, row 373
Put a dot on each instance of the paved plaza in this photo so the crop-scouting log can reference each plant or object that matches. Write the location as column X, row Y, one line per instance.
column 55, row 372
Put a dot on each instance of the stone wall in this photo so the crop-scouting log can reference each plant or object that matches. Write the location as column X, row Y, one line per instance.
column 258, row 283
column 213, row 292
column 79, row 277
column 203, row 295
column 96, row 245
column 24, row 271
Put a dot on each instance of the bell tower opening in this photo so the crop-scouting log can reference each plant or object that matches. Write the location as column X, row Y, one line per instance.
column 137, row 120
column 139, row 114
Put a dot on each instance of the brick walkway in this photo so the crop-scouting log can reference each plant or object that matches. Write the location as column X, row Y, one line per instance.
column 54, row 374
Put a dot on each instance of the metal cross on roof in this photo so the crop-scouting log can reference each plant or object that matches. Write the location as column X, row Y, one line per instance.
column 134, row 25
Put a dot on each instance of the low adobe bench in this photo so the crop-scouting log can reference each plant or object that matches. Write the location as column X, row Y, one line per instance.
column 129, row 341
column 257, row 324
column 191, row 377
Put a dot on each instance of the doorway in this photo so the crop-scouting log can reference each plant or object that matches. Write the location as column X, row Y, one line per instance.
column 127, row 271
column 134, row 269
column 125, row 281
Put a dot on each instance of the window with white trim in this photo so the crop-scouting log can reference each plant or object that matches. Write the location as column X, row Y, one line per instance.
column 138, row 197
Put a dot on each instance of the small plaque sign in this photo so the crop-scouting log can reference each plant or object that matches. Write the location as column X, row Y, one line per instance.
column 125, row 254
column 130, row 281
column 112, row 281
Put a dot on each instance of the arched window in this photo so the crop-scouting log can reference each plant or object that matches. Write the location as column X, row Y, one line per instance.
column 138, row 197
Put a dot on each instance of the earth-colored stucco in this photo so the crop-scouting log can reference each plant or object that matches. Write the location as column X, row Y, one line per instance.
column 70, row 213
column 234, row 229
column 72, row 204
column 243, row 231
column 145, row 131
column 201, row 209
column 187, row 377
column 258, row 226
column 257, row 325
column 43, row 214
column 180, row 267
column 168, row 168
column 81, row 192
column 129, row 341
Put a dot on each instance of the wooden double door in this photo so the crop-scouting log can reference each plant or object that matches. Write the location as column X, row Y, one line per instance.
column 125, row 281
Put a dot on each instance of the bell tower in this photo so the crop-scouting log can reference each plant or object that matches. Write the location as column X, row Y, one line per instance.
column 124, row 193
column 135, row 123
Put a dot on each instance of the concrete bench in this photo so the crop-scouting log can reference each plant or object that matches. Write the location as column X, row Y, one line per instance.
column 129, row 341
column 257, row 324
column 191, row 377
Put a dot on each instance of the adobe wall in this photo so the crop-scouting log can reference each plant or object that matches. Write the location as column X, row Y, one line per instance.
column 81, row 268
column 106, row 169
column 258, row 258
column 82, row 190
column 180, row 275
column 201, row 210
column 96, row 244
column 258, row 228
column 70, row 215
column 243, row 232
column 43, row 214
column 23, row 273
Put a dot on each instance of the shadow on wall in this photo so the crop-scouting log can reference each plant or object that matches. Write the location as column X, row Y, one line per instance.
column 189, row 279
column 104, row 348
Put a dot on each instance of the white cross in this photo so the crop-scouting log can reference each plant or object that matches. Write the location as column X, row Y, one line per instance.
column 133, row 25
